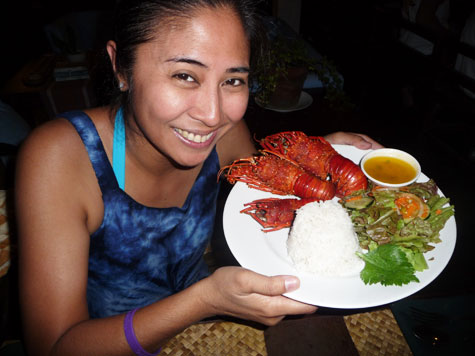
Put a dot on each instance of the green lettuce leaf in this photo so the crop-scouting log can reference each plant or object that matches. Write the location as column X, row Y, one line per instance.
column 388, row 265
column 417, row 259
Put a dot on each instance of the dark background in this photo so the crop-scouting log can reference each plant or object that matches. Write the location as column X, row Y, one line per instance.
column 21, row 28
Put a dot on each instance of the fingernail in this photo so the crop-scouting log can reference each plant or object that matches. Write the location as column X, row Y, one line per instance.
column 291, row 284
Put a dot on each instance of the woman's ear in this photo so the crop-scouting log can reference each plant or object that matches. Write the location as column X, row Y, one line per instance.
column 112, row 51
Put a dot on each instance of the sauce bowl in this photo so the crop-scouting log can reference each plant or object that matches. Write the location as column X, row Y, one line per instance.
column 390, row 167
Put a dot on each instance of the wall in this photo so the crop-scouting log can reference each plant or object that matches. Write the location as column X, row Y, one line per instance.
column 289, row 11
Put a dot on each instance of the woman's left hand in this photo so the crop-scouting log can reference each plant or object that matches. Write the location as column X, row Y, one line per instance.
column 358, row 140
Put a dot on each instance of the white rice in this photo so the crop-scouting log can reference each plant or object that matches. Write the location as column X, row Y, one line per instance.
column 322, row 240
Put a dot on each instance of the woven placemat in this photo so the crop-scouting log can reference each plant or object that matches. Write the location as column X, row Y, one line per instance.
column 217, row 338
column 373, row 333
column 377, row 333
column 4, row 236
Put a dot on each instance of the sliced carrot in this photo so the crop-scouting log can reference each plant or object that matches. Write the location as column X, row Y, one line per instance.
column 357, row 197
column 410, row 206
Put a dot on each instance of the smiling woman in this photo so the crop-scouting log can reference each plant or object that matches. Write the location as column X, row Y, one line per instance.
column 118, row 265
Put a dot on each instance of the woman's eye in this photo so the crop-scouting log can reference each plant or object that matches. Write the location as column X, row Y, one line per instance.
column 185, row 77
column 235, row 82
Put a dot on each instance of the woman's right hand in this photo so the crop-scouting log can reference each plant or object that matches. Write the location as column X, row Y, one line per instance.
column 248, row 295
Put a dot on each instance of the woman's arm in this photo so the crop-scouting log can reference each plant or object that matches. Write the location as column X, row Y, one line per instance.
column 54, row 196
column 57, row 201
column 53, row 237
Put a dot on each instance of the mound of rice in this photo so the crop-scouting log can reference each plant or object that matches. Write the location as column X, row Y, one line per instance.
column 322, row 240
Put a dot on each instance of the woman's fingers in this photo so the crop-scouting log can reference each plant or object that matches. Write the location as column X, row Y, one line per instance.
column 277, row 285
column 270, row 290
column 246, row 294
column 358, row 140
column 364, row 140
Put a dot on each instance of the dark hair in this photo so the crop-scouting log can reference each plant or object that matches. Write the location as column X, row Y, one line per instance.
column 135, row 22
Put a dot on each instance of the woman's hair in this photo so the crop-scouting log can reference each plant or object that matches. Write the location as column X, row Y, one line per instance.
column 136, row 22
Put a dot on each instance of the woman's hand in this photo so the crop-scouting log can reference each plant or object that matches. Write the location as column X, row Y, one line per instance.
column 245, row 294
column 358, row 140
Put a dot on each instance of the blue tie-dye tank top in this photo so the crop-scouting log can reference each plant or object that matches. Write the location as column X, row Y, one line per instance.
column 141, row 254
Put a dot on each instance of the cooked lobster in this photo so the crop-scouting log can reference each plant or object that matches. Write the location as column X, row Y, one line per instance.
column 317, row 156
column 292, row 163
column 271, row 173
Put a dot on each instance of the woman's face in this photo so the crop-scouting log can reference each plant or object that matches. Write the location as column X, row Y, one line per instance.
column 190, row 84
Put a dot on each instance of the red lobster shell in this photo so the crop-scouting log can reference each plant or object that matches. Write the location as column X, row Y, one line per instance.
column 272, row 173
column 316, row 155
column 274, row 213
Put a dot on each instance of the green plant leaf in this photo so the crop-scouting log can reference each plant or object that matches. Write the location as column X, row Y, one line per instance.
column 388, row 265
column 284, row 53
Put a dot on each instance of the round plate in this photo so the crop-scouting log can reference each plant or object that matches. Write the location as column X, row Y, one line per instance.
column 266, row 253
column 305, row 101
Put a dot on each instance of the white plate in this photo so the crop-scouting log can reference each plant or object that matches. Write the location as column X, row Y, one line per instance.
column 266, row 253
column 304, row 102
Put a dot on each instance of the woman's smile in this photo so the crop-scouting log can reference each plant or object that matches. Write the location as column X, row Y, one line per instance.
column 194, row 138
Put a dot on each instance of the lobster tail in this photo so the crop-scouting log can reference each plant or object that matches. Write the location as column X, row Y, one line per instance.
column 310, row 186
column 346, row 175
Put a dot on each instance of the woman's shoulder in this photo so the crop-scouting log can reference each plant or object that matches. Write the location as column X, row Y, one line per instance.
column 51, row 138
column 54, row 161
column 58, row 138
column 54, row 151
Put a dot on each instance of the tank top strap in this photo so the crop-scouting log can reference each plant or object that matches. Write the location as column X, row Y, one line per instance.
column 118, row 149
column 95, row 149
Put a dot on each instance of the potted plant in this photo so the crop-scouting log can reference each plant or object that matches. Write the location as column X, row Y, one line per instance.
column 282, row 70
column 67, row 44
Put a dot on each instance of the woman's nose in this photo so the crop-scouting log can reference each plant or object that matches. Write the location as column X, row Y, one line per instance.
column 207, row 106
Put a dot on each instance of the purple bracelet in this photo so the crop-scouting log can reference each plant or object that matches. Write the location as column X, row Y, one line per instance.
column 132, row 339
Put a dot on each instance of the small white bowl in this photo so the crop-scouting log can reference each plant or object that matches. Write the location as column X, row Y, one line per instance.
column 392, row 152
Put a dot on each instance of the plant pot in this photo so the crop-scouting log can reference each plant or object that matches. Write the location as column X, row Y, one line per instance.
column 288, row 89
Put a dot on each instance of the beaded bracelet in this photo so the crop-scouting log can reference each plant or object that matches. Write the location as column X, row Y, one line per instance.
column 132, row 339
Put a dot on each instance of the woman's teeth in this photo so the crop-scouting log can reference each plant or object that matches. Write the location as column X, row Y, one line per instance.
column 194, row 137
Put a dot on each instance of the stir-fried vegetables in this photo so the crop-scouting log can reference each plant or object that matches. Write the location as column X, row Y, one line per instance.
column 409, row 219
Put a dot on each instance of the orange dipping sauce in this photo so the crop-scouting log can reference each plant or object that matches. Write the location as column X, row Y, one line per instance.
column 390, row 170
